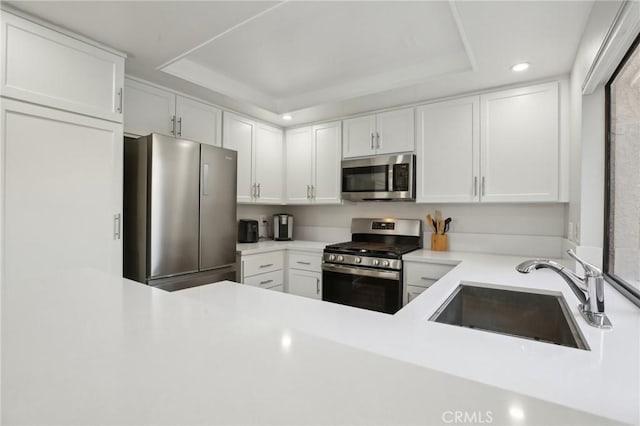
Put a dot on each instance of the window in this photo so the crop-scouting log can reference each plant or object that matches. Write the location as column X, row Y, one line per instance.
column 622, row 189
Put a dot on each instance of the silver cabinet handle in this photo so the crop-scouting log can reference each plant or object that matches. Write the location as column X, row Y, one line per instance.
column 313, row 191
column 254, row 191
column 483, row 185
column 317, row 285
column 116, row 226
column 426, row 278
column 475, row 186
column 205, row 179
column 265, row 282
column 377, row 140
column 303, row 263
column 119, row 107
column 180, row 126
column 258, row 191
column 308, row 191
column 173, row 125
column 267, row 265
column 371, row 140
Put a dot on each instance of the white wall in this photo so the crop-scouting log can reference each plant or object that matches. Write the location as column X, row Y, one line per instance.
column 586, row 207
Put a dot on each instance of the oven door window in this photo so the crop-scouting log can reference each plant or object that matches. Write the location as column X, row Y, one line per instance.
column 365, row 179
column 376, row 294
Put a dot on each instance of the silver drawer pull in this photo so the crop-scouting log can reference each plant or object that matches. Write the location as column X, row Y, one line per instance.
column 267, row 265
column 303, row 263
column 265, row 282
column 426, row 279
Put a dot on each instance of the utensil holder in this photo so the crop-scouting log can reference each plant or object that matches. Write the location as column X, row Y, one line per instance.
column 439, row 242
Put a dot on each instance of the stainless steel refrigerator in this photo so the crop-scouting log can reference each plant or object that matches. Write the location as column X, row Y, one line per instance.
column 179, row 212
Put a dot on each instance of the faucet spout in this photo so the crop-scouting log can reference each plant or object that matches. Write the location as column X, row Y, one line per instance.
column 588, row 289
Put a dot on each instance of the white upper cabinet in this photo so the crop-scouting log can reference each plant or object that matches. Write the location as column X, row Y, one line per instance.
column 359, row 136
column 46, row 67
column 520, row 144
column 499, row 147
column 382, row 133
column 312, row 164
column 326, row 187
column 448, row 151
column 239, row 134
column 260, row 153
column 395, row 131
column 298, row 161
column 150, row 109
column 198, row 122
column 269, row 164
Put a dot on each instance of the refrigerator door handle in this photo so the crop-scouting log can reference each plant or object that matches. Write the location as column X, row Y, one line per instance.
column 205, row 179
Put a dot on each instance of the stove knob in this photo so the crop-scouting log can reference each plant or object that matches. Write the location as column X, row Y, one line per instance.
column 340, row 258
column 376, row 262
column 385, row 263
column 358, row 260
column 332, row 257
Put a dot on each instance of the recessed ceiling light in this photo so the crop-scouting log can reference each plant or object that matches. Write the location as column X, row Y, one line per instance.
column 287, row 117
column 520, row 67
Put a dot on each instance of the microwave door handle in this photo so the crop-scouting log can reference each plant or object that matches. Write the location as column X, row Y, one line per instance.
column 391, row 189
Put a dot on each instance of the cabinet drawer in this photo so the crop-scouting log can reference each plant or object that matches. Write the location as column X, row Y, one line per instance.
column 261, row 263
column 268, row 280
column 305, row 261
column 425, row 274
column 46, row 67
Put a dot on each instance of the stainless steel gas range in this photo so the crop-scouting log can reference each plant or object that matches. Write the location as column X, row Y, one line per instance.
column 366, row 272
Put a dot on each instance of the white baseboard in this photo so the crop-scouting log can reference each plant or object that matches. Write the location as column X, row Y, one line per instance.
column 518, row 245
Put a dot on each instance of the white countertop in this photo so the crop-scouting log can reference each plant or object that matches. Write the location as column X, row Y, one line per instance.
column 81, row 348
column 265, row 246
column 604, row 380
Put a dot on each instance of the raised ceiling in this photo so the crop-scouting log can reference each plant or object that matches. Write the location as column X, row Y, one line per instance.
column 323, row 59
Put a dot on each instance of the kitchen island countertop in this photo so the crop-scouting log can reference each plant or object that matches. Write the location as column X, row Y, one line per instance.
column 80, row 347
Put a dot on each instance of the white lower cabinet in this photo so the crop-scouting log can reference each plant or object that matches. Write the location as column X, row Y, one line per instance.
column 305, row 283
column 419, row 276
column 264, row 270
column 304, row 274
column 62, row 191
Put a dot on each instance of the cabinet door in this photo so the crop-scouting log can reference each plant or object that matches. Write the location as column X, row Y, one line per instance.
column 326, row 168
column 519, row 144
column 49, row 68
column 305, row 283
column 269, row 164
column 62, row 187
column 395, row 131
column 298, row 159
column 448, row 151
column 148, row 109
column 239, row 134
column 198, row 121
column 358, row 136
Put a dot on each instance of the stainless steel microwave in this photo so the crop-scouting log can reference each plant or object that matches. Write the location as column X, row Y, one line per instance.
column 382, row 178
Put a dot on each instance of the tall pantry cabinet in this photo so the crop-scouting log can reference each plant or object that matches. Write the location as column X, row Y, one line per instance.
column 61, row 116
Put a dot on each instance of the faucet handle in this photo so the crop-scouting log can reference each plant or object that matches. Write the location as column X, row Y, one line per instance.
column 589, row 269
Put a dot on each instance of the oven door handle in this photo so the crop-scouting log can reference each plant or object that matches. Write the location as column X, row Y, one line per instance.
column 365, row 272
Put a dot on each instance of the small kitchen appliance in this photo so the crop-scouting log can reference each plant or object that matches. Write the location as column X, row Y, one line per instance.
column 247, row 231
column 380, row 178
column 367, row 271
column 282, row 227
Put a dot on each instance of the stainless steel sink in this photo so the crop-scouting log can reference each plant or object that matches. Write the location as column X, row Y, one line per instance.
column 544, row 317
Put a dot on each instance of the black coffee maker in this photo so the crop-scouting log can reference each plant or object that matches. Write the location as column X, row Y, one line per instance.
column 282, row 227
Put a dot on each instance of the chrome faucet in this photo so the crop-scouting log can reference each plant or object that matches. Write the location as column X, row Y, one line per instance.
column 588, row 289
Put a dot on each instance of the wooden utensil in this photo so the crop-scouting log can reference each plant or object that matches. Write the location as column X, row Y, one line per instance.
column 430, row 223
